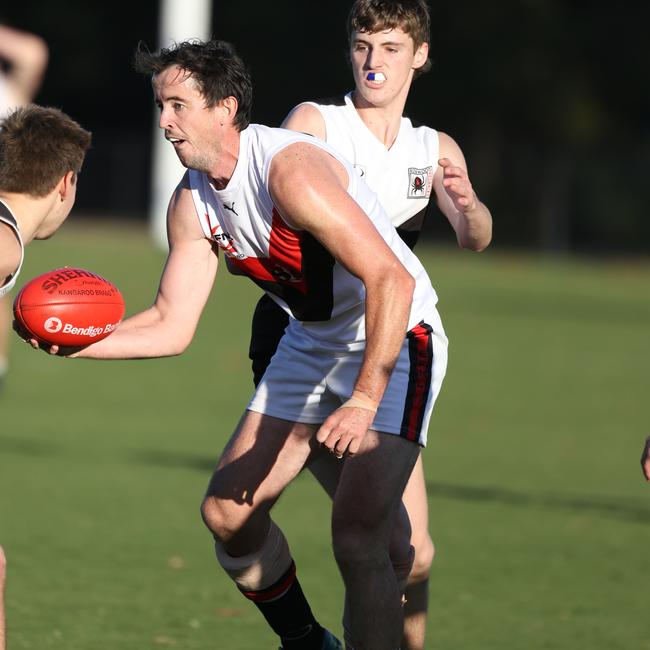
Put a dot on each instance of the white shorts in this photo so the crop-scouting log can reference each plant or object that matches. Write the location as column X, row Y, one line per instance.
column 305, row 384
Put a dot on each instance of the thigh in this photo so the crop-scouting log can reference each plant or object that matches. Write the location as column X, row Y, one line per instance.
column 261, row 458
column 416, row 501
column 326, row 469
column 372, row 482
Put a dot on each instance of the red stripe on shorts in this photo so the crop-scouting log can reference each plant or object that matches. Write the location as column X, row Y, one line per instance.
column 417, row 393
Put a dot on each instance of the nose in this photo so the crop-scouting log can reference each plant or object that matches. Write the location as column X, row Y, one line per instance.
column 164, row 121
column 373, row 60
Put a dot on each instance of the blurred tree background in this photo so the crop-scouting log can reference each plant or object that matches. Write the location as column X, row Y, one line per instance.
column 549, row 99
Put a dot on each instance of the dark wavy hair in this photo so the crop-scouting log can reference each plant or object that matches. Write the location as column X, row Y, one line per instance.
column 214, row 65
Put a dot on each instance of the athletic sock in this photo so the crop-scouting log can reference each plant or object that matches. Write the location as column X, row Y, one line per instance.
column 287, row 611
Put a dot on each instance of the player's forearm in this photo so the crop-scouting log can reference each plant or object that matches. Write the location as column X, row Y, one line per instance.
column 387, row 312
column 143, row 336
column 474, row 227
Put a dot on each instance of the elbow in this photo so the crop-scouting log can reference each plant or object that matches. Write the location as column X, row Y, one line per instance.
column 179, row 344
column 407, row 285
column 170, row 340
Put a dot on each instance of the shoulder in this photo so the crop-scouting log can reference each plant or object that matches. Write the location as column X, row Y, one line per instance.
column 11, row 250
column 449, row 148
column 306, row 118
column 182, row 216
column 302, row 164
column 298, row 156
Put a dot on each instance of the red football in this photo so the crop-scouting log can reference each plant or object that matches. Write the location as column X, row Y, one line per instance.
column 69, row 307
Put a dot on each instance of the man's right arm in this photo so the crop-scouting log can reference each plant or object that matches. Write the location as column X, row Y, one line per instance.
column 168, row 326
column 306, row 118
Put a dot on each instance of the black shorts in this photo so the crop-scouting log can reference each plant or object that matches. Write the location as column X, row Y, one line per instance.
column 267, row 328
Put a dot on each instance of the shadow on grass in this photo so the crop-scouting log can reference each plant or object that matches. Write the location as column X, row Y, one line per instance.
column 174, row 459
column 23, row 447
column 614, row 507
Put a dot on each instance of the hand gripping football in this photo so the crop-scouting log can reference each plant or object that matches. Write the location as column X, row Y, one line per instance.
column 69, row 307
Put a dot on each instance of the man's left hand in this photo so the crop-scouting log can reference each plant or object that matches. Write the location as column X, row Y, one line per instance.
column 457, row 185
column 344, row 430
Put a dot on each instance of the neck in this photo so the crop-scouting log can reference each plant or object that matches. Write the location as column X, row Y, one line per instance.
column 223, row 170
column 29, row 212
column 382, row 121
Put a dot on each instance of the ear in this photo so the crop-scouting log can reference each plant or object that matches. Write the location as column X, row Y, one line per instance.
column 66, row 184
column 421, row 55
column 229, row 106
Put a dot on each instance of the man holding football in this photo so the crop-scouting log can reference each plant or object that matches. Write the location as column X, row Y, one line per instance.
column 356, row 375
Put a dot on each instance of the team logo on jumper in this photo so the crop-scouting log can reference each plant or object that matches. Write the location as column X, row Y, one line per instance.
column 226, row 243
column 53, row 325
column 420, row 183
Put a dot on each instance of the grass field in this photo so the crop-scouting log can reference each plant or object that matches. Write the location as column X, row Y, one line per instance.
column 539, row 512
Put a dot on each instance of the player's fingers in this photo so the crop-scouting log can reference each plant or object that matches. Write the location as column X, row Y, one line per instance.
column 456, row 187
column 328, row 436
column 323, row 432
column 331, row 443
column 353, row 447
column 454, row 172
column 343, row 445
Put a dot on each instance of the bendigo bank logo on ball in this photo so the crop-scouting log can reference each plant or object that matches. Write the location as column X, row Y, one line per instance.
column 54, row 325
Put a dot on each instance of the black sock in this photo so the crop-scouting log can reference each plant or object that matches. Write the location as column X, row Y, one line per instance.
column 287, row 611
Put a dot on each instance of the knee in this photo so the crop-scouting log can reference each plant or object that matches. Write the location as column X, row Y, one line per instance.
column 218, row 520
column 356, row 545
column 423, row 558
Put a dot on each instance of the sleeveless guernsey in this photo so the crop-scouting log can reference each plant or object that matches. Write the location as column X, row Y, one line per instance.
column 7, row 218
column 297, row 272
column 402, row 176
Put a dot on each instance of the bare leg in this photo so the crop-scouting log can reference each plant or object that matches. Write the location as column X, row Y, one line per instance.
column 327, row 470
column 417, row 589
column 366, row 504
column 262, row 457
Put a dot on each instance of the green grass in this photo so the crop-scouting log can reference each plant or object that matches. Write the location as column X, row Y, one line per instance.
column 538, row 510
